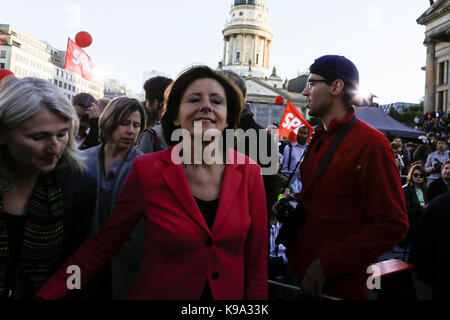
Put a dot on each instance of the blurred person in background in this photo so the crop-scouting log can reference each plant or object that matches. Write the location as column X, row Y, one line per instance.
column 442, row 184
column 421, row 154
column 436, row 159
column 152, row 139
column 102, row 103
column 398, row 158
column 88, row 114
column 430, row 252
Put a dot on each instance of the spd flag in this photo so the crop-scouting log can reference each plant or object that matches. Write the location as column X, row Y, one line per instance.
column 290, row 122
column 78, row 61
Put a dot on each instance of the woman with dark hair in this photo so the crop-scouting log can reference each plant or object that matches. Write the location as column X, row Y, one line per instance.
column 109, row 163
column 205, row 221
column 46, row 204
column 415, row 191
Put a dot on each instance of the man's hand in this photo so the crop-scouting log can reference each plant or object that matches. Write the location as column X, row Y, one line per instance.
column 313, row 280
column 93, row 111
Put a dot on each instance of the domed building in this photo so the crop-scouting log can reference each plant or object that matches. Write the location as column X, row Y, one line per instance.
column 247, row 39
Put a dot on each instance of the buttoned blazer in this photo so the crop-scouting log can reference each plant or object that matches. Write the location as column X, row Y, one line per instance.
column 181, row 252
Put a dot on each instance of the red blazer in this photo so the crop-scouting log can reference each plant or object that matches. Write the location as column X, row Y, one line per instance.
column 181, row 253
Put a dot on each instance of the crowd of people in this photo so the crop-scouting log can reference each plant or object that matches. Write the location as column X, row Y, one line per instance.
column 424, row 166
column 104, row 186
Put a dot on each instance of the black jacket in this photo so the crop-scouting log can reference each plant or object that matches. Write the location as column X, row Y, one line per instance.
column 248, row 122
column 79, row 204
column 436, row 188
column 430, row 252
column 92, row 137
column 413, row 208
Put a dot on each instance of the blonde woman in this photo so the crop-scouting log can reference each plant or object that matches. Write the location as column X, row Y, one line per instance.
column 46, row 204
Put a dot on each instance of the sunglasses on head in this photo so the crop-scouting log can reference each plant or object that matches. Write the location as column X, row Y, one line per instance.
column 418, row 175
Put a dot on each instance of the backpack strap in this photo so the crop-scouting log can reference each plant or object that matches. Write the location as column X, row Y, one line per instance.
column 323, row 164
column 340, row 135
column 290, row 155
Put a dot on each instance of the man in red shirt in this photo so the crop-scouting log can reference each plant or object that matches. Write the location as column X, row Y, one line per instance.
column 355, row 211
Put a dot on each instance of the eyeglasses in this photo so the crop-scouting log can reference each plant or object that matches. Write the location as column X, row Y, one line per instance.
column 418, row 175
column 311, row 82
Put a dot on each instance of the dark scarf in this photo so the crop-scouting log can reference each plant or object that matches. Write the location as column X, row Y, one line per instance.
column 43, row 234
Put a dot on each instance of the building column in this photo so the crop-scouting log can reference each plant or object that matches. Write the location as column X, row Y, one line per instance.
column 430, row 76
column 224, row 61
column 267, row 54
column 231, row 49
column 244, row 49
column 264, row 57
column 255, row 38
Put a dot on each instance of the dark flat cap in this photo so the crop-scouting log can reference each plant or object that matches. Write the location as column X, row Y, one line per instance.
column 333, row 67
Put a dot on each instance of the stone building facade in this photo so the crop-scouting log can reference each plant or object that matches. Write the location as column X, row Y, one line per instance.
column 437, row 40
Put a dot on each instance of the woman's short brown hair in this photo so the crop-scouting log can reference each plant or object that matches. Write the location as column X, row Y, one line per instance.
column 422, row 170
column 118, row 110
column 176, row 90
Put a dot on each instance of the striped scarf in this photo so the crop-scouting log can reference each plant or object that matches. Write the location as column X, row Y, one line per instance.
column 43, row 234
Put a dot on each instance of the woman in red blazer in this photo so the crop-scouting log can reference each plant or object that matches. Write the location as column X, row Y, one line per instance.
column 205, row 222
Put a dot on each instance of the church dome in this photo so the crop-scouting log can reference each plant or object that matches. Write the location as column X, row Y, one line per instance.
column 256, row 3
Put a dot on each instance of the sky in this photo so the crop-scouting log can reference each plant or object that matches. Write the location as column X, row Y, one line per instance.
column 381, row 37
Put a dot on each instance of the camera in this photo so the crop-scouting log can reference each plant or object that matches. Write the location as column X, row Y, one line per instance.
column 283, row 209
column 292, row 218
column 437, row 165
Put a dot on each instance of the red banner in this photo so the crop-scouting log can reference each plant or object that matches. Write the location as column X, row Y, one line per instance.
column 78, row 61
column 290, row 122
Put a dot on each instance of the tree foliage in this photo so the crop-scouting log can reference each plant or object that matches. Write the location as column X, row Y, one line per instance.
column 407, row 116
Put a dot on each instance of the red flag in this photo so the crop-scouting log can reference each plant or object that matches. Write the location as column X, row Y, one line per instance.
column 290, row 122
column 78, row 61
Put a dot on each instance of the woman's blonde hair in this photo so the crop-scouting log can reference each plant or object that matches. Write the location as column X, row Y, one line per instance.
column 20, row 99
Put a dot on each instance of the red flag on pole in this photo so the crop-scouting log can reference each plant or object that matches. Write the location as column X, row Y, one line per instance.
column 78, row 61
column 290, row 122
